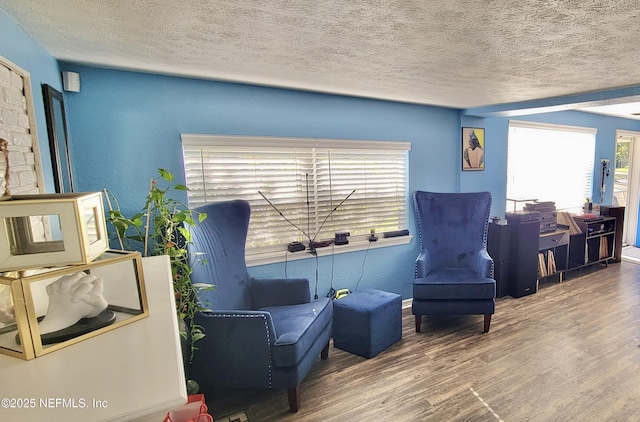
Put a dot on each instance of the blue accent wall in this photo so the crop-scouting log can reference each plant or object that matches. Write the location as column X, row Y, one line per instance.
column 495, row 155
column 18, row 47
column 125, row 125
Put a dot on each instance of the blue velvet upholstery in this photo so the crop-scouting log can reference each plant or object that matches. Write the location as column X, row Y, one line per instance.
column 454, row 272
column 259, row 333
column 367, row 322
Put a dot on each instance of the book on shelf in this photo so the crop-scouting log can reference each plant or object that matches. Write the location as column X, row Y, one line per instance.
column 551, row 262
column 567, row 219
column 542, row 268
column 604, row 248
column 547, row 264
column 586, row 252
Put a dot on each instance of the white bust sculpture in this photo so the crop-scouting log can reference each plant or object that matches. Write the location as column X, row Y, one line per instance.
column 71, row 298
column 7, row 315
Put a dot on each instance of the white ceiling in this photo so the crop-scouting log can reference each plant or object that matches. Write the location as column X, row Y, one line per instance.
column 453, row 53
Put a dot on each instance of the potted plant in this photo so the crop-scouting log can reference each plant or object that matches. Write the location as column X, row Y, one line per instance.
column 162, row 229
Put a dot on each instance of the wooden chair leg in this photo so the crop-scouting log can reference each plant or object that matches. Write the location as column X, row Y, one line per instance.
column 487, row 322
column 294, row 399
column 418, row 322
column 325, row 352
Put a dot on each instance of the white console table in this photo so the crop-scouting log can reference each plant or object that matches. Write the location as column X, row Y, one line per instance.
column 133, row 373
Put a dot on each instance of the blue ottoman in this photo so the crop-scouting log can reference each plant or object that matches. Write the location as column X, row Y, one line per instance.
column 367, row 322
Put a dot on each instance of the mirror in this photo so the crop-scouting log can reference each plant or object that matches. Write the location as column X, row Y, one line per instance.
column 57, row 131
column 90, row 219
column 33, row 234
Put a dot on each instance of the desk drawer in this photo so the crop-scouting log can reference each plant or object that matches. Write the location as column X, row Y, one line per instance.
column 552, row 240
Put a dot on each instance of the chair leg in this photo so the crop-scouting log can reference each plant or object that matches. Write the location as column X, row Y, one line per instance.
column 487, row 322
column 418, row 322
column 294, row 399
column 325, row 352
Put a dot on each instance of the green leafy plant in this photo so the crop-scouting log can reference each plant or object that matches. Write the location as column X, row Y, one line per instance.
column 162, row 229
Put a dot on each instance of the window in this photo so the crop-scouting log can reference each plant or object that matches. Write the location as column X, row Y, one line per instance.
column 550, row 163
column 321, row 186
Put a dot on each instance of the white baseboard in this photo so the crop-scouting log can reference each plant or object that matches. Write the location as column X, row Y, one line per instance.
column 406, row 303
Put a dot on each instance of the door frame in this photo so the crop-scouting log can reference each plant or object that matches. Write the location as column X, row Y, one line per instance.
column 633, row 187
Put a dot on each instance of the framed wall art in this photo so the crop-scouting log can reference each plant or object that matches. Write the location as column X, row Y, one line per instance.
column 472, row 148
column 58, row 144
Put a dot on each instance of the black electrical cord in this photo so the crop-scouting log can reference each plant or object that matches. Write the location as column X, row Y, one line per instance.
column 315, row 296
column 364, row 260
column 332, row 292
column 286, row 262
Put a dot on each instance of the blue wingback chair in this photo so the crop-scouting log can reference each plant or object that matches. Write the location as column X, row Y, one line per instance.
column 259, row 333
column 454, row 272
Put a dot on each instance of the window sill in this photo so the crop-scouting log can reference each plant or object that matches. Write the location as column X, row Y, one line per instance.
column 353, row 246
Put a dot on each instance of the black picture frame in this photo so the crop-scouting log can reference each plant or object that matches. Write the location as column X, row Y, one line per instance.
column 58, row 141
column 473, row 149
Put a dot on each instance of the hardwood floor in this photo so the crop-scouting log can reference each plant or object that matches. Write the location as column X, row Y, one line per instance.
column 570, row 352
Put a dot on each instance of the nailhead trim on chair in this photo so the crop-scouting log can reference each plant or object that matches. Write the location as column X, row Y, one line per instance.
column 415, row 210
column 486, row 231
column 267, row 335
column 266, row 331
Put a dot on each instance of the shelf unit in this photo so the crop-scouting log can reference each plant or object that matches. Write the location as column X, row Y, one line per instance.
column 553, row 254
column 616, row 212
column 524, row 257
column 595, row 244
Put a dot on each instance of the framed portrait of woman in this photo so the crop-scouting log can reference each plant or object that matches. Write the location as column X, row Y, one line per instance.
column 472, row 148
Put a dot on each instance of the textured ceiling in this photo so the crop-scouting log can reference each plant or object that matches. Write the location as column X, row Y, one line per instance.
column 454, row 53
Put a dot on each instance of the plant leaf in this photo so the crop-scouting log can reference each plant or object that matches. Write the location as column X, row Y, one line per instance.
column 166, row 174
column 185, row 233
column 197, row 336
column 202, row 286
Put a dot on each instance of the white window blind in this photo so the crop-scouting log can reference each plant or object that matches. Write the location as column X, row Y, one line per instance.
column 305, row 179
column 550, row 163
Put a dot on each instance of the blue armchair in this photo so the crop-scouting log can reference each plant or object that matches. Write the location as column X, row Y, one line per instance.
column 454, row 272
column 259, row 333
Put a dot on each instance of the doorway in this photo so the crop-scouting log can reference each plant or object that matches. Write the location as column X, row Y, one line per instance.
column 626, row 181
